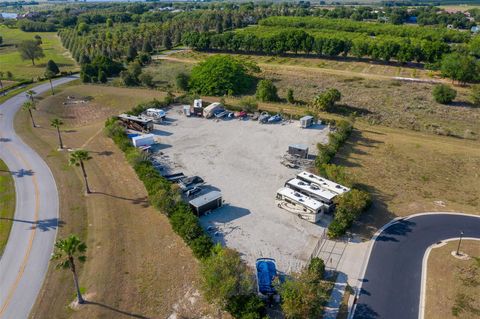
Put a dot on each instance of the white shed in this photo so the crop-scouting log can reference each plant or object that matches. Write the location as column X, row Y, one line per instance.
column 306, row 121
column 143, row 140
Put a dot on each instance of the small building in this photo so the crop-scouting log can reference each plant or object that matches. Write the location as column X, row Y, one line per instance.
column 208, row 111
column 143, row 140
column 137, row 123
column 299, row 150
column 306, row 121
column 207, row 202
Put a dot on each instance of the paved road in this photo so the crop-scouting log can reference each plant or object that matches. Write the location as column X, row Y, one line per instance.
column 25, row 260
column 392, row 281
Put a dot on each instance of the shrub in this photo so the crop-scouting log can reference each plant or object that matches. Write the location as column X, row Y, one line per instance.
column 316, row 267
column 202, row 246
column 246, row 307
column 182, row 81
column 266, row 91
column 185, row 223
column 325, row 101
column 290, row 97
column 444, row 94
column 348, row 207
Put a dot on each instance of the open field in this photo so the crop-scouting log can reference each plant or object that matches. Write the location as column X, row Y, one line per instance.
column 242, row 160
column 377, row 98
column 10, row 59
column 7, row 204
column 136, row 266
column 453, row 283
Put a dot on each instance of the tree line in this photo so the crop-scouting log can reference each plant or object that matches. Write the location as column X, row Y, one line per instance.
column 322, row 44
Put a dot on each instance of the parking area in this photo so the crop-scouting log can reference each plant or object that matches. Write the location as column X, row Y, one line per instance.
column 242, row 159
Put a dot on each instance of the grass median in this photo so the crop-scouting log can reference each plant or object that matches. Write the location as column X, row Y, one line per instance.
column 7, row 204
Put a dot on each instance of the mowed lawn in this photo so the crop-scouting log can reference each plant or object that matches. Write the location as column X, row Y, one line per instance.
column 7, row 204
column 453, row 284
column 10, row 59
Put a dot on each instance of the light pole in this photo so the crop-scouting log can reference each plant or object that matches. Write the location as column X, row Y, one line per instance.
column 459, row 243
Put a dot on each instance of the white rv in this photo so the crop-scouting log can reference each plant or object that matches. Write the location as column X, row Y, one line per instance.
column 305, row 207
column 322, row 182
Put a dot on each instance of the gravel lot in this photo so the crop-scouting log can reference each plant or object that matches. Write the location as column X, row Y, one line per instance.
column 241, row 158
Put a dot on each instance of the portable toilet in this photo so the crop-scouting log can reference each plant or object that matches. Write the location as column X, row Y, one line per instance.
column 306, row 121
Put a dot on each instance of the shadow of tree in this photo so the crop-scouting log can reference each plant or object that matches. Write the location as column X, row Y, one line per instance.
column 43, row 225
column 126, row 313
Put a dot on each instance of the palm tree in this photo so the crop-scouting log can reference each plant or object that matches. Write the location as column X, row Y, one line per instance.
column 66, row 251
column 30, row 94
column 78, row 158
column 29, row 106
column 56, row 123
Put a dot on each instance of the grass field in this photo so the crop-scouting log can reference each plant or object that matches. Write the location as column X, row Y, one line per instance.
column 136, row 266
column 453, row 284
column 10, row 59
column 7, row 204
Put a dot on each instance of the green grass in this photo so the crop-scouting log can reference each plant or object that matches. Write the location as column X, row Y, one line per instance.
column 7, row 204
column 10, row 59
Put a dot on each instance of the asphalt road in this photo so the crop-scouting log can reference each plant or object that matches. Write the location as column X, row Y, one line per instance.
column 392, row 281
column 25, row 259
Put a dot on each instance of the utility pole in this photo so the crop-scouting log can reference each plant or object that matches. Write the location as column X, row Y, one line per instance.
column 459, row 243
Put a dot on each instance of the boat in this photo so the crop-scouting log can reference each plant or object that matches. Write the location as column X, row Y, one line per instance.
column 266, row 273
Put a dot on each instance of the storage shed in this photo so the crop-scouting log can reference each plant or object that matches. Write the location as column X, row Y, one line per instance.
column 206, row 202
column 143, row 140
column 306, row 121
column 299, row 150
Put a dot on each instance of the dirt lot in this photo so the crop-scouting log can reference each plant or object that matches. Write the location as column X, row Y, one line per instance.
column 136, row 265
column 242, row 160
column 453, row 283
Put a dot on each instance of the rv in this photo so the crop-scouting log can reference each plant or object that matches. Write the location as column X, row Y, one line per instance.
column 158, row 115
column 322, row 182
column 209, row 110
column 312, row 190
column 137, row 123
column 305, row 207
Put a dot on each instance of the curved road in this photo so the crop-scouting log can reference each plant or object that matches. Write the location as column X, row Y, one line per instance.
column 25, row 259
column 392, row 281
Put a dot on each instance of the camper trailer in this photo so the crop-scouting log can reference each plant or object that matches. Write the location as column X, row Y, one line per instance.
column 137, row 123
column 143, row 140
column 322, row 182
column 312, row 190
column 158, row 115
column 305, row 207
column 209, row 110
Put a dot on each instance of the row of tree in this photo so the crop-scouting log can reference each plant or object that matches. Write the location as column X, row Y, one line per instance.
column 323, row 44
column 372, row 29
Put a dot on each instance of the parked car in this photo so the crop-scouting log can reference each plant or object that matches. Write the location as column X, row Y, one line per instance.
column 254, row 116
column 219, row 113
column 195, row 190
column 230, row 115
column 276, row 118
column 263, row 118
column 240, row 114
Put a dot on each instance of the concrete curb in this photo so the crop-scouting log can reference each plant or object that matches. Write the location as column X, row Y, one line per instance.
column 421, row 307
column 372, row 243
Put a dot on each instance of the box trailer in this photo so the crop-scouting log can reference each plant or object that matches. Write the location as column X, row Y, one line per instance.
column 299, row 150
column 143, row 140
column 206, row 203
column 209, row 110
column 306, row 121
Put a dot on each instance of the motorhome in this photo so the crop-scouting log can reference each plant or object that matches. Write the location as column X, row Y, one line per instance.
column 312, row 190
column 305, row 207
column 322, row 182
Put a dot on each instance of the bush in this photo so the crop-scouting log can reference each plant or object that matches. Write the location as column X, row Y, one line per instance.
column 182, row 81
column 221, row 75
column 325, row 101
column 246, row 307
column 317, row 268
column 349, row 206
column 290, row 97
column 202, row 246
column 444, row 94
column 266, row 91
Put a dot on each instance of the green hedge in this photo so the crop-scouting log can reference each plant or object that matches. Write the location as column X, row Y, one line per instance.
column 326, row 152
